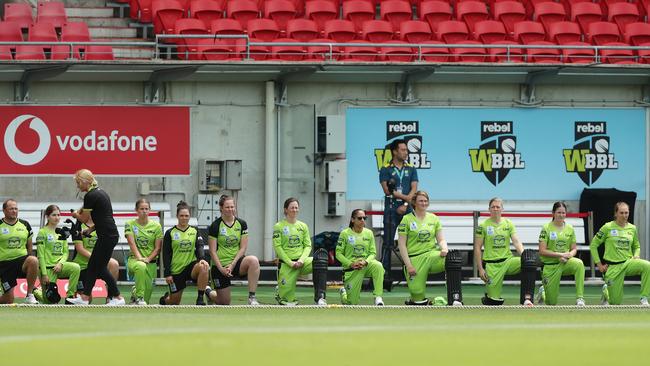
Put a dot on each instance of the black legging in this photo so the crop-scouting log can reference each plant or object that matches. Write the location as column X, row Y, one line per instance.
column 97, row 266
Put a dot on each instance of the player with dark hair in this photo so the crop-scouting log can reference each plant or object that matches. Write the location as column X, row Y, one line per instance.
column 622, row 251
column 183, row 259
column 399, row 181
column 557, row 250
column 16, row 259
column 228, row 241
column 145, row 238
column 356, row 251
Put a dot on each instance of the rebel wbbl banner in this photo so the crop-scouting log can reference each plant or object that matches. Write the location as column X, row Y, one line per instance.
column 39, row 140
column 513, row 153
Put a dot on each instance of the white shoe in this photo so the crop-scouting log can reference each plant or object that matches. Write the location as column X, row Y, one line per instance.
column 644, row 301
column 30, row 299
column 140, row 301
column 77, row 300
column 457, row 303
column 252, row 301
column 580, row 302
column 528, row 303
column 379, row 301
column 116, row 301
column 321, row 302
column 539, row 296
column 289, row 303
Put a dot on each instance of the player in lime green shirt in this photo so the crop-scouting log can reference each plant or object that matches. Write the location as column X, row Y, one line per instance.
column 52, row 254
column 622, row 251
column 493, row 236
column 228, row 241
column 16, row 259
column 292, row 244
column 145, row 238
column 356, row 251
column 557, row 250
column 422, row 246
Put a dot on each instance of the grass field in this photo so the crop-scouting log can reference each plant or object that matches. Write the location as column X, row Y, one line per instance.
column 328, row 336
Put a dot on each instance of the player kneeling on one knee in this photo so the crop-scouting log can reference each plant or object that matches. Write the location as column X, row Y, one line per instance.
column 356, row 251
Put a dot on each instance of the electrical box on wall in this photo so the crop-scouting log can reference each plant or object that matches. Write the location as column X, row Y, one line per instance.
column 330, row 134
column 335, row 176
column 336, row 204
column 207, row 209
column 233, row 175
column 211, row 173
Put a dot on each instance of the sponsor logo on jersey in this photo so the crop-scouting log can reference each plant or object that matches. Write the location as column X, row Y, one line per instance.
column 497, row 155
column 410, row 132
column 553, row 235
column 590, row 155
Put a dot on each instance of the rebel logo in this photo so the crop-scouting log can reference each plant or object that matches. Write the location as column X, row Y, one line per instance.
column 590, row 155
column 400, row 128
column 409, row 131
column 497, row 155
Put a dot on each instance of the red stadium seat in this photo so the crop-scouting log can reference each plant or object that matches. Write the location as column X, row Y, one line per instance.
column 226, row 26
column 10, row 32
column 206, row 11
column 281, row 11
column 396, row 53
column 51, row 12
column 511, row 54
column 358, row 11
column 617, row 56
column 415, row 31
column 623, row 14
column 242, row 11
column 355, row 53
column 437, row 54
column 543, row 55
column 434, row 12
column 75, row 32
column 377, row 31
column 256, row 52
column 340, row 30
column 321, row 11
column 578, row 55
column 585, row 13
column 141, row 10
column 264, row 29
column 464, row 54
column 396, row 12
column 644, row 55
column 509, row 13
column 528, row 31
column 5, row 53
column 189, row 47
column 42, row 32
column 323, row 53
column 29, row 52
column 303, row 30
column 452, row 31
column 287, row 52
column 165, row 13
column 637, row 33
column 565, row 32
column 218, row 49
column 20, row 13
column 600, row 33
column 471, row 12
column 63, row 52
column 489, row 31
column 548, row 13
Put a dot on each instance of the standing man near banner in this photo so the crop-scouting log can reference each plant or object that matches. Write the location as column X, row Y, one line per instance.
column 399, row 180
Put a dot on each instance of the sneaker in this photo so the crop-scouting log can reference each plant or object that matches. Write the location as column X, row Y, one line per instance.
column 161, row 301
column 116, row 301
column 77, row 300
column 134, row 298
column 540, row 296
column 528, row 303
column 31, row 299
column 604, row 299
column 379, row 301
column 321, row 302
column 288, row 303
column 456, row 303
column 580, row 302
column 424, row 302
column 140, row 301
column 344, row 296
column 252, row 301
column 200, row 301
column 644, row 301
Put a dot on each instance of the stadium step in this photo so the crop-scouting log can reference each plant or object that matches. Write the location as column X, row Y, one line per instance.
column 113, row 32
column 85, row 3
column 101, row 21
column 121, row 52
column 89, row 12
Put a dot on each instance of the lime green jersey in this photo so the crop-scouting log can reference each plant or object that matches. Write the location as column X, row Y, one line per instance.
column 144, row 236
column 228, row 238
column 621, row 243
column 420, row 235
column 180, row 248
column 558, row 240
column 13, row 239
column 353, row 246
column 87, row 242
column 291, row 242
column 50, row 250
column 496, row 238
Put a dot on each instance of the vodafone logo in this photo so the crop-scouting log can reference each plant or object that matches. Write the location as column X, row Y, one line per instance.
column 44, row 140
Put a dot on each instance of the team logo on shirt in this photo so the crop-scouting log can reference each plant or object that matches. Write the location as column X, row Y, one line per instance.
column 5, row 231
column 590, row 156
column 553, row 235
column 497, row 155
column 410, row 132
column 490, row 230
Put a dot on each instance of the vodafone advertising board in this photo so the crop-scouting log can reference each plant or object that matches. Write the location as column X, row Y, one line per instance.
column 105, row 139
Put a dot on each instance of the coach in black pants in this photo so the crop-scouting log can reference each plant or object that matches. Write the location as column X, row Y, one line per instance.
column 97, row 205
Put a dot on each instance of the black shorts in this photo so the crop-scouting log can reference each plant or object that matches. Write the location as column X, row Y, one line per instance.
column 80, row 284
column 10, row 271
column 220, row 281
column 180, row 279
